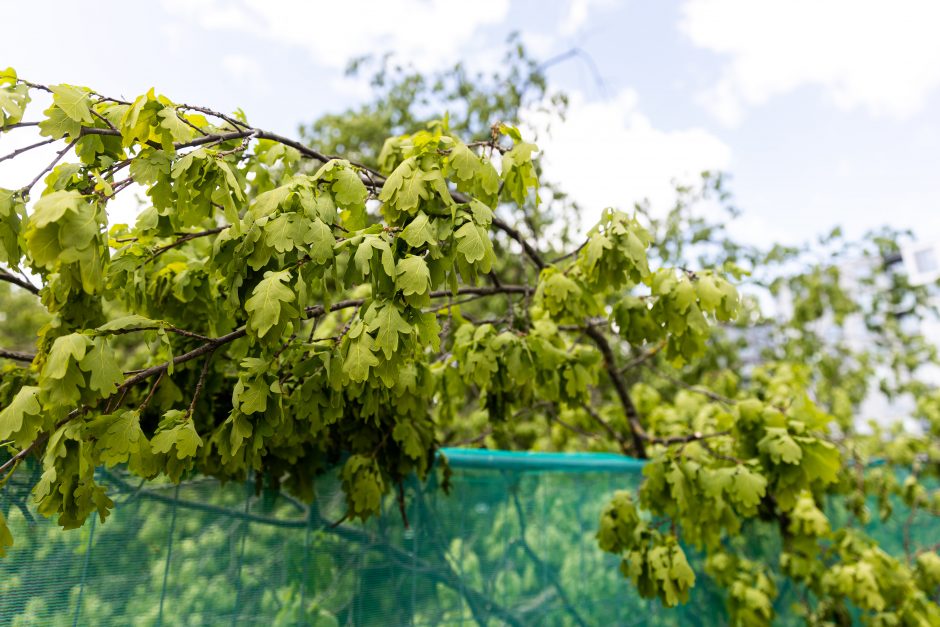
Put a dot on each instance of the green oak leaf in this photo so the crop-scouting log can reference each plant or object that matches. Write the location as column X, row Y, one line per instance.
column 179, row 130
column 253, row 397
column 6, row 538
column 821, row 461
column 473, row 243
column 74, row 102
column 412, row 275
column 419, row 231
column 65, row 350
column 780, row 446
column 13, row 99
column 410, row 440
column 268, row 202
column 100, row 363
column 25, row 404
column 360, row 358
column 119, row 436
column 387, row 324
column 348, row 189
column 320, row 239
column 465, row 163
column 747, row 487
column 266, row 305
column 53, row 207
column 182, row 439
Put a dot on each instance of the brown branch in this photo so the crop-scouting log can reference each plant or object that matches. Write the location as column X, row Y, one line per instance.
column 117, row 188
column 473, row 440
column 199, row 384
column 644, row 356
column 629, row 409
column 624, row 446
column 401, row 504
column 15, row 460
column 240, row 148
column 24, row 191
column 692, row 388
column 10, row 127
column 165, row 327
column 216, row 138
column 483, row 290
column 197, row 352
column 153, row 390
column 571, row 254
column 182, row 240
column 530, row 251
column 16, row 355
column 102, row 118
column 697, row 436
column 729, row 458
column 183, row 119
column 230, row 120
column 20, row 151
column 553, row 417
column 15, row 280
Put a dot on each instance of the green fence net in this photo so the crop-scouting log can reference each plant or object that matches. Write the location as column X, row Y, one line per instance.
column 513, row 543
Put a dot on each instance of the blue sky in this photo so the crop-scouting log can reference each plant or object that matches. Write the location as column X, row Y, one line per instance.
column 824, row 112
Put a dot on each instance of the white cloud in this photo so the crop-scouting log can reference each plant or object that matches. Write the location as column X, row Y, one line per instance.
column 428, row 33
column 578, row 13
column 608, row 154
column 878, row 56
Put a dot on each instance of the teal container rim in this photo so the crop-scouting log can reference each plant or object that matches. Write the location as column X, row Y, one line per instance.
column 525, row 460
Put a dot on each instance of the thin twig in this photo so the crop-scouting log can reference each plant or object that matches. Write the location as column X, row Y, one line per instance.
column 624, row 445
column 15, row 460
column 20, row 151
column 642, row 357
column 190, row 124
column 153, row 390
column 182, row 240
column 692, row 388
column 199, row 384
column 629, row 409
column 473, row 440
column 15, row 280
column 103, row 119
column 703, row 442
column 697, row 436
column 16, row 355
column 569, row 255
column 24, row 191
column 10, row 127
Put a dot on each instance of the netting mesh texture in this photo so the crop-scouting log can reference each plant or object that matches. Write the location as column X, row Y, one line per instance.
column 513, row 543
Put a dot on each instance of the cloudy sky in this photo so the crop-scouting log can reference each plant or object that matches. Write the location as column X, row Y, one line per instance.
column 824, row 112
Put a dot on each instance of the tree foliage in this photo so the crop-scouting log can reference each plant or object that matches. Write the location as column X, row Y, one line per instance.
column 280, row 310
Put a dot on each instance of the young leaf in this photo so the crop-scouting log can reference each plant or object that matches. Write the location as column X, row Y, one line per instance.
column 413, row 276
column 267, row 303
column 360, row 358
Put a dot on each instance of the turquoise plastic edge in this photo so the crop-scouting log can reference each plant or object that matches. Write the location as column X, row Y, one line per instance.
column 521, row 460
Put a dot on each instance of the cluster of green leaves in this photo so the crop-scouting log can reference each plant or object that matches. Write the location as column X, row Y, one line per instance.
column 249, row 256
column 280, row 311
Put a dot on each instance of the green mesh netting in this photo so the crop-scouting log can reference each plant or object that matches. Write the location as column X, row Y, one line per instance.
column 513, row 543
